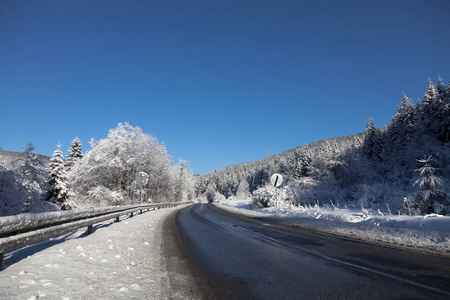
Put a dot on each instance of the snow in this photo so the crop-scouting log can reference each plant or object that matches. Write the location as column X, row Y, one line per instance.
column 20, row 221
column 119, row 260
column 428, row 234
column 15, row 195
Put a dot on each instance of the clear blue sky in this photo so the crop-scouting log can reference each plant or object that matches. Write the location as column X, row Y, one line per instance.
column 219, row 82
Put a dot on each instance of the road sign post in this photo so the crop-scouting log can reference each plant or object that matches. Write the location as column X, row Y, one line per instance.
column 276, row 181
column 141, row 180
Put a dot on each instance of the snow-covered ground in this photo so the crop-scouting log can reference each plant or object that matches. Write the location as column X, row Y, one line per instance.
column 429, row 234
column 118, row 261
column 125, row 259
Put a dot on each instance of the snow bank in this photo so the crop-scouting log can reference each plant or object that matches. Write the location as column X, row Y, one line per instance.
column 118, row 261
column 429, row 234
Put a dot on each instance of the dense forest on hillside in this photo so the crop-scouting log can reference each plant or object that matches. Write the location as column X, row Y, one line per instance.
column 401, row 168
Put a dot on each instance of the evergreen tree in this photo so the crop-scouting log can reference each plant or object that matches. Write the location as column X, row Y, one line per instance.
column 403, row 121
column 59, row 192
column 372, row 141
column 303, row 163
column 429, row 183
column 401, row 130
column 200, row 188
column 444, row 97
column 431, row 113
column 74, row 153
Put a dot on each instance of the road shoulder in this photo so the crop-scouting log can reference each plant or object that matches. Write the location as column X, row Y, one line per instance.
column 118, row 261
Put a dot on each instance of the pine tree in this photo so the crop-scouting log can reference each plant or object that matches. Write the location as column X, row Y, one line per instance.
column 447, row 115
column 74, row 153
column 58, row 180
column 400, row 130
column 372, row 145
column 404, row 118
column 444, row 97
column 304, row 162
column 429, row 184
column 431, row 110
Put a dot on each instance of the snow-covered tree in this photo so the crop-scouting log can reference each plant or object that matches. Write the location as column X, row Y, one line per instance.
column 303, row 166
column 430, row 196
column 28, row 153
column 444, row 98
column 59, row 192
column 27, row 176
column 372, row 141
column 402, row 124
column 74, row 153
column 106, row 173
column 184, row 186
column 2, row 164
column 200, row 188
column 243, row 190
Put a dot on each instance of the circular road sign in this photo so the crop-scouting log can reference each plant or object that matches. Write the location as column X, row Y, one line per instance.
column 276, row 180
column 141, row 178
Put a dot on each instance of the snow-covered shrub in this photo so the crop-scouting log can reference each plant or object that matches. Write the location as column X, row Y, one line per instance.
column 264, row 197
column 218, row 197
column 268, row 196
column 102, row 196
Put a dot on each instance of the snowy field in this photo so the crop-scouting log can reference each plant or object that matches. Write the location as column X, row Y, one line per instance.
column 428, row 234
column 118, row 261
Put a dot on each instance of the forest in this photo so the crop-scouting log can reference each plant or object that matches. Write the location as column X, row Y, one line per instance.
column 400, row 168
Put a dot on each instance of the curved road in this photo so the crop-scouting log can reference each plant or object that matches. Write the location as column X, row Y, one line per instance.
column 235, row 257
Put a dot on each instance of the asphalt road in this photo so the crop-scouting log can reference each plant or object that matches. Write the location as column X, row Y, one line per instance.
column 221, row 255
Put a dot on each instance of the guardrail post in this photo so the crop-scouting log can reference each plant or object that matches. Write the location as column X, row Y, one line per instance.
column 2, row 265
column 117, row 219
column 131, row 215
column 90, row 229
column 141, row 212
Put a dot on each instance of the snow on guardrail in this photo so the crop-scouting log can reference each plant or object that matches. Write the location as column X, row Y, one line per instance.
column 24, row 229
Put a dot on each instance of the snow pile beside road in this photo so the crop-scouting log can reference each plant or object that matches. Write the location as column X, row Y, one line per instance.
column 429, row 234
column 118, row 261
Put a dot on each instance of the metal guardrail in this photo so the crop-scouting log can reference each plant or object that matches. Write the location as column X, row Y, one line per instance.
column 29, row 228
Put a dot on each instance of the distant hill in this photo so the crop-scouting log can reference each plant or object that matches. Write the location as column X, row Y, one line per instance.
column 311, row 161
column 23, row 180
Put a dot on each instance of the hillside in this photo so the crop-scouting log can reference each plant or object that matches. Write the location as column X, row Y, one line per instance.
column 400, row 168
column 23, row 179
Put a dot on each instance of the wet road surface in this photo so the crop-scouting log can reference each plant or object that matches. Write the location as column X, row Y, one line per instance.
column 235, row 257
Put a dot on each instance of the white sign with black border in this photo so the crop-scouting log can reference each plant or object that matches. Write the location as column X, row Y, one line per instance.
column 276, row 180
